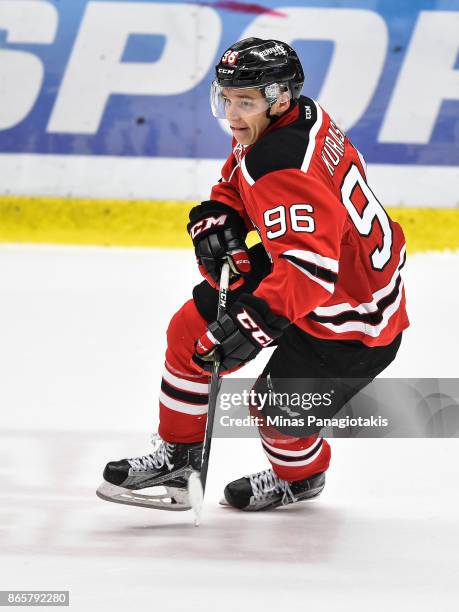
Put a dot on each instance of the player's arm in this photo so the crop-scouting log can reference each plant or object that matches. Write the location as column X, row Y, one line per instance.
column 302, row 230
column 218, row 228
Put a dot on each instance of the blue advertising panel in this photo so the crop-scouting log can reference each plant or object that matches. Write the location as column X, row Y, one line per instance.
column 125, row 78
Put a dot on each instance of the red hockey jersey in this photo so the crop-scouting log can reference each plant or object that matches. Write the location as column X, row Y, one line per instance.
column 336, row 254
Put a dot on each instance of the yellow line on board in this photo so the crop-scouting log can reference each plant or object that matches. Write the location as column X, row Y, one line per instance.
column 162, row 223
column 428, row 229
column 54, row 220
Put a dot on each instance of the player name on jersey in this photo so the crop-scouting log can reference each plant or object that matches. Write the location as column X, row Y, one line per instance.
column 333, row 150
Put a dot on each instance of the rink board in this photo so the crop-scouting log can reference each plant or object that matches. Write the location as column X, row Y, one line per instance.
column 125, row 115
column 162, row 223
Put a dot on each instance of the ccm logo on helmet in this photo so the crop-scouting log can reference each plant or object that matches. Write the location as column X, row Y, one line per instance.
column 257, row 333
column 206, row 224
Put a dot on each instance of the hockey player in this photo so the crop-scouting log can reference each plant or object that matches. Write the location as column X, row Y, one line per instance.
column 324, row 284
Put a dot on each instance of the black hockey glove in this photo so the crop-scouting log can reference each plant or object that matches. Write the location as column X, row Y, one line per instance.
column 218, row 231
column 242, row 332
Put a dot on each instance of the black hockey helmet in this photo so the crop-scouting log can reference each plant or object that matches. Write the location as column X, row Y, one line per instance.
column 254, row 62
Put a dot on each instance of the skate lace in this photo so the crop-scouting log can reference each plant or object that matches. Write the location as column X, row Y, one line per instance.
column 265, row 483
column 162, row 454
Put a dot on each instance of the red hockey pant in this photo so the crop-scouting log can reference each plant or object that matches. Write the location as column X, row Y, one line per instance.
column 184, row 400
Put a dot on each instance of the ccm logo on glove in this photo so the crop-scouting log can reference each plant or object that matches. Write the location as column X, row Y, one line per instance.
column 256, row 332
column 218, row 233
column 206, row 224
column 239, row 335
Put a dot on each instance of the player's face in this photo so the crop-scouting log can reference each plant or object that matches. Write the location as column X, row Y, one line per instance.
column 245, row 111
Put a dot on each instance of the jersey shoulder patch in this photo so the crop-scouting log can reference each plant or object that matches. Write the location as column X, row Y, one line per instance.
column 284, row 148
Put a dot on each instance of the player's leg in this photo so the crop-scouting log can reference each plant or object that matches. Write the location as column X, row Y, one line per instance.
column 183, row 399
column 183, row 404
column 303, row 365
column 178, row 446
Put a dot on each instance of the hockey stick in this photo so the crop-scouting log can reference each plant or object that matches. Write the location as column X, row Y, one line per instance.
column 197, row 484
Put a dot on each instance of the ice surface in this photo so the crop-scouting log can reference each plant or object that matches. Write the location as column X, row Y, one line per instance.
column 82, row 334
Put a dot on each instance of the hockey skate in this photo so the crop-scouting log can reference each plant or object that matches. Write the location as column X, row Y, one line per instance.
column 168, row 466
column 265, row 490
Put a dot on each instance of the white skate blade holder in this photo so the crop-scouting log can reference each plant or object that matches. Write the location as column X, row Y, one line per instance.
column 195, row 496
column 163, row 501
column 190, row 499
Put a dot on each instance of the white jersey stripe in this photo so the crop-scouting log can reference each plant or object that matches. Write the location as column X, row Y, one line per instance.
column 366, row 307
column 367, row 328
column 231, row 175
column 245, row 173
column 362, row 161
column 291, row 453
column 328, row 286
column 183, row 407
column 294, row 463
column 312, row 139
column 315, row 258
column 183, row 384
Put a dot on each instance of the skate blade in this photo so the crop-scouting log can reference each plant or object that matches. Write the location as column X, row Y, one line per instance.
column 120, row 495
